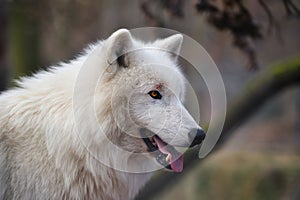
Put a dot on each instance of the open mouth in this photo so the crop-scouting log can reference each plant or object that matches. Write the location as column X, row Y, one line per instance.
column 164, row 153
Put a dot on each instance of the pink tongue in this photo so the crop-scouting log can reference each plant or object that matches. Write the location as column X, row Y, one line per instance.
column 175, row 157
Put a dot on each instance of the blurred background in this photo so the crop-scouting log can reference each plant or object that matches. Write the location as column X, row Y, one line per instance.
column 256, row 46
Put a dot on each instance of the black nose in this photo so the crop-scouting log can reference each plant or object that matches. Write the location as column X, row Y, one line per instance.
column 198, row 135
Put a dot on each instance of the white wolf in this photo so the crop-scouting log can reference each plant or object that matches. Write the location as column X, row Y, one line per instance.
column 48, row 150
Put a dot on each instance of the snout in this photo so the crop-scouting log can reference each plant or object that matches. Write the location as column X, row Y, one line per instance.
column 196, row 136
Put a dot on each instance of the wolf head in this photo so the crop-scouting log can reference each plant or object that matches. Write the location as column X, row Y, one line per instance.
column 145, row 89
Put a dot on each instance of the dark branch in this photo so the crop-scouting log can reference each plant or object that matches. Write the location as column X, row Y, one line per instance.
column 234, row 17
column 225, row 15
column 291, row 8
column 153, row 15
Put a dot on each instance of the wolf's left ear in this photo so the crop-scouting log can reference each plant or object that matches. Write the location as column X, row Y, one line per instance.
column 117, row 46
column 172, row 44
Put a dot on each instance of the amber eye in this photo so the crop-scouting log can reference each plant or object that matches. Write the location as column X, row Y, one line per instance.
column 155, row 94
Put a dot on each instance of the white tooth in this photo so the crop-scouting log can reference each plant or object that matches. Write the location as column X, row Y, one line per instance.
column 168, row 158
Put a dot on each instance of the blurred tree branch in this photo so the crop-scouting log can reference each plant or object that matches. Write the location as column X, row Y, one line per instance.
column 232, row 16
column 291, row 8
column 172, row 8
column 278, row 77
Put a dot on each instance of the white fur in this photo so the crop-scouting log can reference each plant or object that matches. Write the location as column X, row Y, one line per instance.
column 41, row 150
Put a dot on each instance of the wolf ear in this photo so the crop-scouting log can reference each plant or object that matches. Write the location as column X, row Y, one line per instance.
column 172, row 44
column 117, row 45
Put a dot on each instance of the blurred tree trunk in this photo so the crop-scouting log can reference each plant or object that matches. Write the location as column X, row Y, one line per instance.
column 3, row 38
column 256, row 93
column 23, row 34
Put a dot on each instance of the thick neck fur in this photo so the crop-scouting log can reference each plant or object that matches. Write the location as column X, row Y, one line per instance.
column 77, row 170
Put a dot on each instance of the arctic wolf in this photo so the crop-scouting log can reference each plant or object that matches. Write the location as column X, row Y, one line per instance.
column 52, row 148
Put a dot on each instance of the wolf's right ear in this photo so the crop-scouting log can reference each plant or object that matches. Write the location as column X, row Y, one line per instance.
column 117, row 46
column 172, row 44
